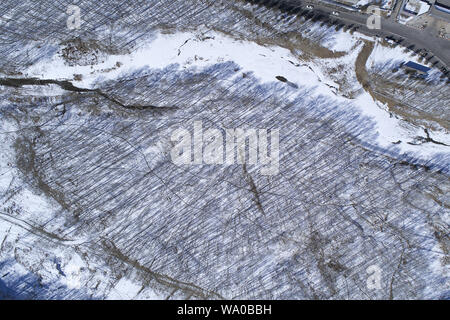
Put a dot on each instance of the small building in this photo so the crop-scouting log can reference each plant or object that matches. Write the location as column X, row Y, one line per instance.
column 443, row 5
column 441, row 10
column 416, row 7
column 416, row 68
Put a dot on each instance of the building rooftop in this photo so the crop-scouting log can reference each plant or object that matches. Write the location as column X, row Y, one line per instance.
column 444, row 3
column 417, row 66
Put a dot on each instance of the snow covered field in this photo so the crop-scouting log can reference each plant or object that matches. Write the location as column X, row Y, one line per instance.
column 92, row 207
column 200, row 50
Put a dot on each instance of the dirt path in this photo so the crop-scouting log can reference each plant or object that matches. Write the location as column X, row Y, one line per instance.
column 363, row 76
column 360, row 65
column 409, row 113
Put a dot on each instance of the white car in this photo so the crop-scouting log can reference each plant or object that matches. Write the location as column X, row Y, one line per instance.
column 309, row 7
column 335, row 13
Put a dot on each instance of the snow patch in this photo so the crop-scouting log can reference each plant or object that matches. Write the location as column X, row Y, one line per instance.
column 199, row 50
column 125, row 289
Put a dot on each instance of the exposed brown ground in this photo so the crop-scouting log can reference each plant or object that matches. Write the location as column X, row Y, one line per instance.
column 410, row 114
column 290, row 40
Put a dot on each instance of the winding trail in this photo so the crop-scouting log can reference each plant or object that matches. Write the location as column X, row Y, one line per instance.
column 67, row 85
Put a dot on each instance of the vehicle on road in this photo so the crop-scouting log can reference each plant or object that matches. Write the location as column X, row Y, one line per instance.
column 309, row 7
column 335, row 13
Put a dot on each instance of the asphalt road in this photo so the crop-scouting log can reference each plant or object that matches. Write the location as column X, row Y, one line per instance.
column 421, row 39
